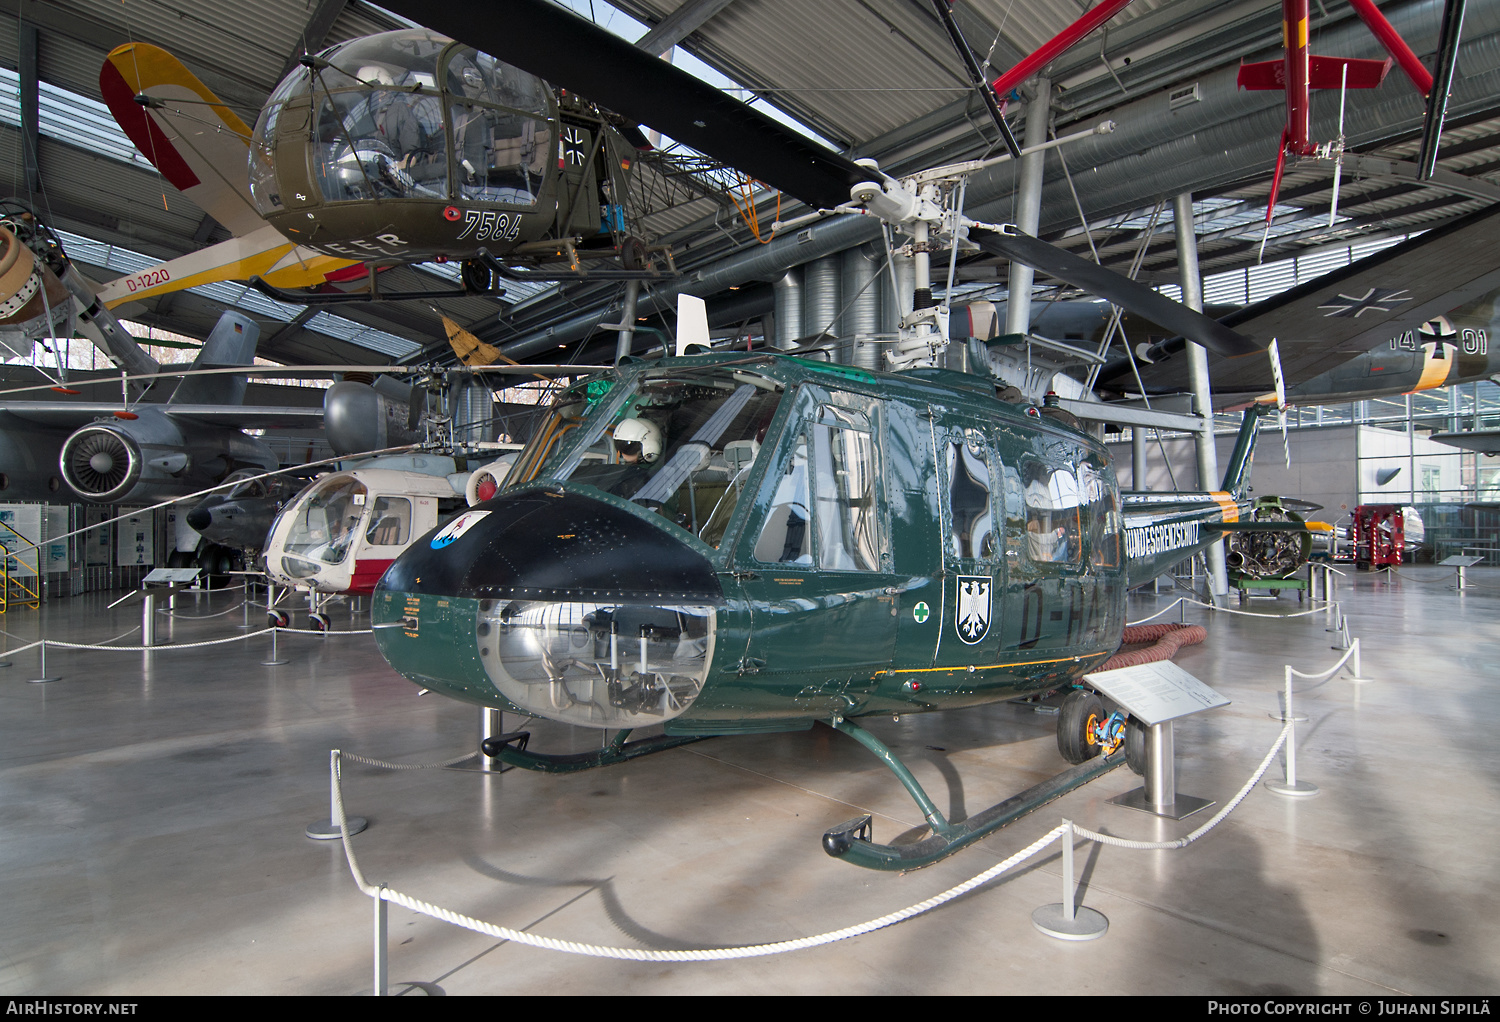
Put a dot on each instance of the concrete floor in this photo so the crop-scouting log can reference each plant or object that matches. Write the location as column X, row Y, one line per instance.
column 152, row 810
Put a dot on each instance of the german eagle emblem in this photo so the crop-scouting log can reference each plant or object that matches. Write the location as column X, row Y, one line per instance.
column 972, row 614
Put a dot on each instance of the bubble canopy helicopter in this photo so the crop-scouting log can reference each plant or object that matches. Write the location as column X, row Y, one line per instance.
column 407, row 146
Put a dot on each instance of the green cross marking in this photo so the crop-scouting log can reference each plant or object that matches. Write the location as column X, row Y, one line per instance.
column 919, row 612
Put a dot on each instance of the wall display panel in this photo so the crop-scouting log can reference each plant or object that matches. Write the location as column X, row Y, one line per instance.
column 20, row 534
column 135, row 540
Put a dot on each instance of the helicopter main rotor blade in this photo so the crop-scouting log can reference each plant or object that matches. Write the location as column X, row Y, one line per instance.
column 574, row 53
column 549, row 41
column 1115, row 288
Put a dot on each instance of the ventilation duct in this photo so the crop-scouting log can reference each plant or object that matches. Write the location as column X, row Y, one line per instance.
column 820, row 306
column 862, row 299
column 788, row 314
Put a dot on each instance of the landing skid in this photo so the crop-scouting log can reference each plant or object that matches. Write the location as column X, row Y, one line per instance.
column 854, row 841
column 511, row 748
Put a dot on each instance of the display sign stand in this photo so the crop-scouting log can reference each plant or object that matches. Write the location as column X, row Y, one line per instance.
column 1460, row 562
column 1157, row 694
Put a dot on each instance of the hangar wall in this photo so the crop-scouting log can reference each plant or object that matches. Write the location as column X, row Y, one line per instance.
column 1323, row 466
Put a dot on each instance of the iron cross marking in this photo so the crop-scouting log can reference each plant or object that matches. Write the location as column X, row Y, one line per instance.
column 1377, row 299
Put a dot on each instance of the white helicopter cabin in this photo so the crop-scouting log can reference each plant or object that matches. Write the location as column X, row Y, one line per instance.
column 342, row 532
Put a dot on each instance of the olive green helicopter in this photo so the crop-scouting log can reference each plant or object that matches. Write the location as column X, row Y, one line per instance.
column 738, row 543
column 407, row 146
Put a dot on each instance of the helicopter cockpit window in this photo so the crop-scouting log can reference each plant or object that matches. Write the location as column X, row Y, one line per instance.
column 1053, row 512
column 680, row 442
column 390, row 522
column 845, row 508
column 263, row 188
column 325, row 529
column 973, row 526
column 501, row 134
column 1104, row 522
column 380, row 143
column 786, row 536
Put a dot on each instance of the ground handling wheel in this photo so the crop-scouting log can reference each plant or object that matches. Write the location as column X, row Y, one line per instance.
column 1081, row 713
column 277, row 619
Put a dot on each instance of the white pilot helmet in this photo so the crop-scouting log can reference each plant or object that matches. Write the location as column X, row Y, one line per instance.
column 374, row 74
column 643, row 432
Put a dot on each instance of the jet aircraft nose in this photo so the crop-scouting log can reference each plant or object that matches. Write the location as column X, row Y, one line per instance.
column 199, row 518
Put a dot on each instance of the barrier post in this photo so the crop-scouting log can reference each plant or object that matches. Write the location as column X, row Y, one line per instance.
column 148, row 620
column 491, row 723
column 1286, row 713
column 1358, row 676
column 276, row 660
column 1290, row 786
column 1068, row 920
column 329, row 830
column 44, row 678
column 382, row 944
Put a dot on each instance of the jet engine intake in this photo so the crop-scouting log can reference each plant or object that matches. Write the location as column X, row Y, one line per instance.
column 149, row 458
column 101, row 463
column 486, row 480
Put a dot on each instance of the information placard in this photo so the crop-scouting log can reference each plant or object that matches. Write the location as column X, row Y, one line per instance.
column 1156, row 693
column 175, row 575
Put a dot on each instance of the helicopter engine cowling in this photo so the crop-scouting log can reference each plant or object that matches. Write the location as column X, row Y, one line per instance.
column 150, row 458
column 358, row 418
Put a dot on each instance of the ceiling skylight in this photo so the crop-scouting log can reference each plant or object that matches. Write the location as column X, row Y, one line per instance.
column 71, row 118
column 606, row 16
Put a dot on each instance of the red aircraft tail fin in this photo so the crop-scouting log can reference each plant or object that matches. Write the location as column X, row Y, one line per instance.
column 1322, row 73
column 1264, row 75
column 1327, row 72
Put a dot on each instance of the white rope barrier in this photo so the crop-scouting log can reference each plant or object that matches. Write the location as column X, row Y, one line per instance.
column 1230, row 610
column 384, row 893
column 201, row 617
column 164, row 647
column 1183, row 842
column 385, row 765
column 1446, row 578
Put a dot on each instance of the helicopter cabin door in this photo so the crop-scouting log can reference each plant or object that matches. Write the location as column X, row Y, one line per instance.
column 814, row 560
column 971, row 602
column 1066, row 597
column 578, row 162
column 389, row 527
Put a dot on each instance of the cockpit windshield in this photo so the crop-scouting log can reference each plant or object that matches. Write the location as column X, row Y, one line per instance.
column 408, row 115
column 327, row 520
column 680, row 442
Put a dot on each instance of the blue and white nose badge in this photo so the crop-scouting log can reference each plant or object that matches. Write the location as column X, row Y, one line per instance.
column 456, row 528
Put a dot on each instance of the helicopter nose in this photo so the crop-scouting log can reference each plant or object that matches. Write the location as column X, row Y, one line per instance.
column 553, row 545
column 564, row 605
